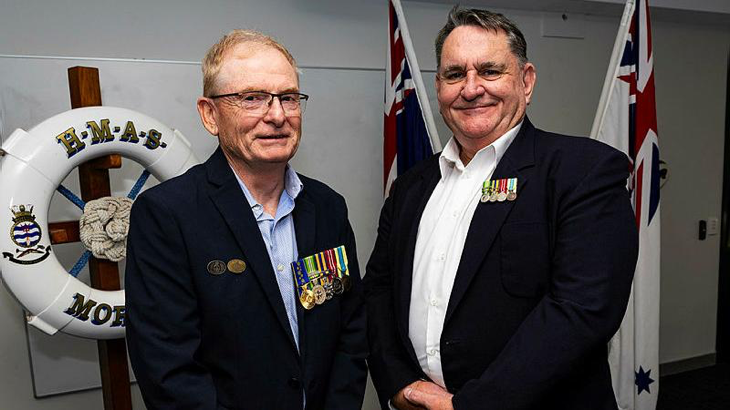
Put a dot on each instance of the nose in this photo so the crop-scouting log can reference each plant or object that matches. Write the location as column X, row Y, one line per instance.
column 275, row 114
column 473, row 87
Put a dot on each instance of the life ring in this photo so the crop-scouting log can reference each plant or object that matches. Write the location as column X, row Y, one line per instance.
column 33, row 165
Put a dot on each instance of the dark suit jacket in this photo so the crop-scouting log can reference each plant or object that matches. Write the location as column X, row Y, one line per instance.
column 541, row 286
column 203, row 341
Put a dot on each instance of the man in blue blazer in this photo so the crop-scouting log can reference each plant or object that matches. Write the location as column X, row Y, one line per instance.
column 504, row 264
column 216, row 318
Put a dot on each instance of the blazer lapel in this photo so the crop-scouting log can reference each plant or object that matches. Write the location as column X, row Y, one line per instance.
column 490, row 216
column 304, row 227
column 231, row 203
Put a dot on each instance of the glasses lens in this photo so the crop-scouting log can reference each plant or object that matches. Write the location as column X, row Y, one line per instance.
column 293, row 104
column 254, row 101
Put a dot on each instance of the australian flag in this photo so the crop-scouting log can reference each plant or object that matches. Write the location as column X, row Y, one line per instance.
column 406, row 133
column 626, row 119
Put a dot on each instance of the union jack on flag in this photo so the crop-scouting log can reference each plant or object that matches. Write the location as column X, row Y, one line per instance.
column 408, row 122
column 626, row 119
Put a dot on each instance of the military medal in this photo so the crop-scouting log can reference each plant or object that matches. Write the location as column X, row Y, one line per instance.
column 216, row 267
column 485, row 191
column 236, row 266
column 493, row 191
column 337, row 286
column 307, row 298
column 320, row 295
column 342, row 271
column 512, row 189
column 502, row 196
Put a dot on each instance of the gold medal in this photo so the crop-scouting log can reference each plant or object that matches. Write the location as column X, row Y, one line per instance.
column 320, row 295
column 216, row 267
column 307, row 299
column 484, row 198
column 236, row 266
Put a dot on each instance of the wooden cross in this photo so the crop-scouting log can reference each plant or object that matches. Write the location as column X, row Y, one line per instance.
column 94, row 180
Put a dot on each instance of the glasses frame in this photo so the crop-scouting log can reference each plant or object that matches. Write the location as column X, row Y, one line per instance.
column 301, row 96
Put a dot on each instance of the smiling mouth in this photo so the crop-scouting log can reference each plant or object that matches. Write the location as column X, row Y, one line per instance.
column 273, row 137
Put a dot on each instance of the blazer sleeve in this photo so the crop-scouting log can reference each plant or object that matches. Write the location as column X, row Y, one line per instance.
column 390, row 367
column 163, row 324
column 595, row 251
column 348, row 375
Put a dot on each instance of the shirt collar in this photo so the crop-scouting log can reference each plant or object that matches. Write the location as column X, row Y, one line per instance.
column 292, row 187
column 450, row 154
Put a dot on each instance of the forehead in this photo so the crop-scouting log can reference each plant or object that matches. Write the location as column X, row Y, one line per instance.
column 256, row 67
column 468, row 45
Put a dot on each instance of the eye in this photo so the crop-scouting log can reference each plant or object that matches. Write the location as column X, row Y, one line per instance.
column 290, row 98
column 490, row 73
column 453, row 76
column 255, row 97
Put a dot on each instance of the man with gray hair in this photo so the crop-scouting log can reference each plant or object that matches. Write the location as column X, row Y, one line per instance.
column 242, row 282
column 503, row 265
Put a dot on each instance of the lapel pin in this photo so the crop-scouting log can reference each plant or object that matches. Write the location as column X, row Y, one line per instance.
column 216, row 267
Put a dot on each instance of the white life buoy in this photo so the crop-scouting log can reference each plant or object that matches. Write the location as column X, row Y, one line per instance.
column 34, row 165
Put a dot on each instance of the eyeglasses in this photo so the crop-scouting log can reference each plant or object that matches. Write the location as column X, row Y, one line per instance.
column 259, row 102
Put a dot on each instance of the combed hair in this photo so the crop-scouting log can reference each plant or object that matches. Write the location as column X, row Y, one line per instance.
column 214, row 57
column 485, row 19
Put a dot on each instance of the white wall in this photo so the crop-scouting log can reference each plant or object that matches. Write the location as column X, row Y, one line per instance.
column 690, row 64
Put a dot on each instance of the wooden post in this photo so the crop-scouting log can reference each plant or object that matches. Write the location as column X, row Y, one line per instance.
column 94, row 177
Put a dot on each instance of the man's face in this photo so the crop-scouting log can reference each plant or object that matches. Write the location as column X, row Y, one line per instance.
column 482, row 91
column 255, row 139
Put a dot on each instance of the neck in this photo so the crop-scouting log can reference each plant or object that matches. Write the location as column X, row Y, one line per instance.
column 264, row 182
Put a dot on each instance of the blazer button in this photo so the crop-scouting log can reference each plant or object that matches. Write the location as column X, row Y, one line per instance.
column 294, row 383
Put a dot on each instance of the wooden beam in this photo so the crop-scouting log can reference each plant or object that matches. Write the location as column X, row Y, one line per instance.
column 94, row 178
column 64, row 232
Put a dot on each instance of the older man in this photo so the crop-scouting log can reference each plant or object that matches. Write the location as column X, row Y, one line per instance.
column 218, row 316
column 504, row 264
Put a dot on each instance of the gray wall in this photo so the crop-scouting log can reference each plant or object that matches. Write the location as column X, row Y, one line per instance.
column 690, row 65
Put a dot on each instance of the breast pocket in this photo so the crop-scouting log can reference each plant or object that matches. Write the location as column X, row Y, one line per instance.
column 524, row 258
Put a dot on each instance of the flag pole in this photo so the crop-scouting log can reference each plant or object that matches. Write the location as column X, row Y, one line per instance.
column 416, row 74
column 614, row 63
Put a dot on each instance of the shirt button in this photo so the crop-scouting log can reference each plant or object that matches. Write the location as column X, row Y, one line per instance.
column 434, row 302
column 455, row 214
column 442, row 257
column 280, row 267
column 432, row 352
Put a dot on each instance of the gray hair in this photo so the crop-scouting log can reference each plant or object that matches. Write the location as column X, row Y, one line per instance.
column 215, row 56
column 486, row 19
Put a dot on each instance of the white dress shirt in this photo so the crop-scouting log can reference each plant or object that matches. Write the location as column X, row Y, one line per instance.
column 440, row 242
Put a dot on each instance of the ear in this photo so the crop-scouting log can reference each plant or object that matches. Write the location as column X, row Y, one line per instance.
column 207, row 112
column 529, row 78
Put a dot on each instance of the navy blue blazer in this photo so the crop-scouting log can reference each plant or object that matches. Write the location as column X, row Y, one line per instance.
column 203, row 341
column 541, row 286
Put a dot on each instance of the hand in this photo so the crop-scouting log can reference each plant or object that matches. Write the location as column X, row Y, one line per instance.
column 428, row 395
column 400, row 402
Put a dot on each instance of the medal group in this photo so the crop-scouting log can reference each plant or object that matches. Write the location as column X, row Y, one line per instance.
column 321, row 276
column 499, row 190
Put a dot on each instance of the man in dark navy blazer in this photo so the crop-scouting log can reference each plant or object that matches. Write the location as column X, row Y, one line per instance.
column 214, row 320
column 504, row 264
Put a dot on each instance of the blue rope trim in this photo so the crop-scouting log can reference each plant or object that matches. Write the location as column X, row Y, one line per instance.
column 71, row 196
column 138, row 185
column 83, row 260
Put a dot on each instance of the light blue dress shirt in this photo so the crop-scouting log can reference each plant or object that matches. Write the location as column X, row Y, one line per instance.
column 280, row 239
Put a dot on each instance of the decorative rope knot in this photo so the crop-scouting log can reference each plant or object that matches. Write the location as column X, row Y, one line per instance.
column 104, row 226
